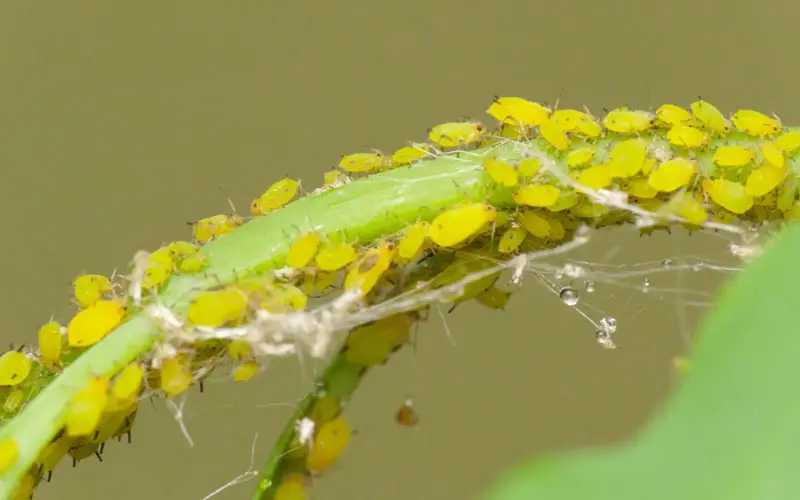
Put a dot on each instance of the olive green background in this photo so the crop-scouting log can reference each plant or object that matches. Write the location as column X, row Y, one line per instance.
column 121, row 121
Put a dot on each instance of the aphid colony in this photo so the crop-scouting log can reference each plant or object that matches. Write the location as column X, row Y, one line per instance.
column 695, row 164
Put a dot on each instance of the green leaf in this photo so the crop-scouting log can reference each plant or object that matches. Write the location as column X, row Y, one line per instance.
column 731, row 431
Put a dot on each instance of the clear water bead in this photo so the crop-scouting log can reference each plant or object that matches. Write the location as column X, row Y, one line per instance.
column 589, row 286
column 569, row 296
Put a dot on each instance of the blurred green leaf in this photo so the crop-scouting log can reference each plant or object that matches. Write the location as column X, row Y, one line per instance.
column 732, row 429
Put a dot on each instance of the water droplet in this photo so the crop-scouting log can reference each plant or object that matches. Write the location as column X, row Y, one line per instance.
column 589, row 286
column 646, row 285
column 666, row 263
column 569, row 296
column 608, row 325
column 698, row 267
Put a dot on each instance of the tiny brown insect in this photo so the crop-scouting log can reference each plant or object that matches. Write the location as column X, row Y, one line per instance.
column 406, row 415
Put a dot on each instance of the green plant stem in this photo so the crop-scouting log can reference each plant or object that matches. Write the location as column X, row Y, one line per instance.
column 340, row 380
column 362, row 211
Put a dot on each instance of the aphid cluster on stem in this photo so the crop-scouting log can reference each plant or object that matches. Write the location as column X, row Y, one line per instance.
column 686, row 166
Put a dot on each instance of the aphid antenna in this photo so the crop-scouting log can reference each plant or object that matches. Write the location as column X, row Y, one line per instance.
column 230, row 201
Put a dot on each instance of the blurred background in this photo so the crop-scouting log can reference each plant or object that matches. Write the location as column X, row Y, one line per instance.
column 121, row 121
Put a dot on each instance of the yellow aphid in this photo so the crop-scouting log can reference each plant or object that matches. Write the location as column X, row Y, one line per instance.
column 553, row 134
column 536, row 195
column 514, row 132
column 454, row 134
column 672, row 174
column 292, row 487
column 501, row 172
column 182, row 248
column 224, row 306
column 588, row 210
column 460, row 223
column 213, row 227
column 755, row 123
column 624, row 121
column 763, row 180
column 733, row 156
column 787, row 195
column 581, row 157
column 788, row 142
column 176, row 375
column 729, row 195
column 25, row 486
column 85, row 410
column 410, row 154
column 303, row 250
column 93, row 323
column 84, row 450
column 670, row 114
column 192, row 263
column 164, row 256
column 334, row 178
column 335, row 256
column 90, row 288
column 414, row 240
column 325, row 409
column 366, row 273
column 14, row 400
column 245, row 371
column 596, row 177
column 772, row 154
column 568, row 119
column 648, row 166
column 463, row 265
column 687, row 206
column 511, row 239
column 566, row 199
column 529, row 167
column 493, row 298
column 52, row 453
column 8, row 453
column 371, row 344
column 160, row 265
column 277, row 195
column 711, row 116
column 358, row 163
column 284, row 297
column 117, row 419
column 641, row 188
column 535, row 224
column 557, row 230
column 688, row 137
column 329, row 443
column 518, row 111
column 590, row 128
column 324, row 280
column 627, row 158
column 127, row 385
column 238, row 349
column 51, row 342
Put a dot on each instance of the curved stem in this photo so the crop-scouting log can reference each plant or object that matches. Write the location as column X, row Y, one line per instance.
column 361, row 211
